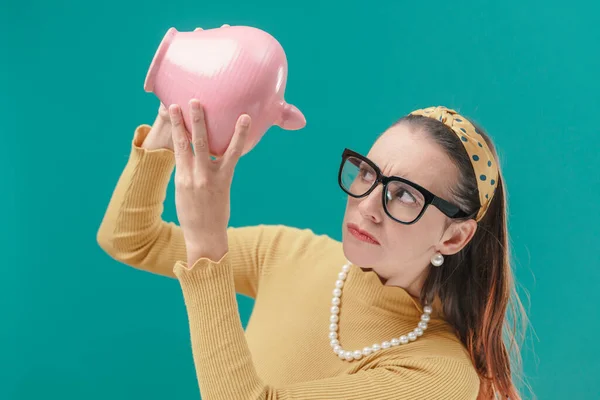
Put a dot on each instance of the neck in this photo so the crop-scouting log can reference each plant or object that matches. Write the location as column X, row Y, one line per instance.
column 413, row 288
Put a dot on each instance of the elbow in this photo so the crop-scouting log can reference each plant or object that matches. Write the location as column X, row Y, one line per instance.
column 121, row 247
column 113, row 247
column 109, row 241
column 105, row 239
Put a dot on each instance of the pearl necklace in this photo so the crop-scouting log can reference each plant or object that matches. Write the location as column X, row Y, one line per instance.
column 358, row 354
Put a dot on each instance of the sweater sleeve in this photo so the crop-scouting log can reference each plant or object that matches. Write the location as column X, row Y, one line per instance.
column 133, row 232
column 225, row 370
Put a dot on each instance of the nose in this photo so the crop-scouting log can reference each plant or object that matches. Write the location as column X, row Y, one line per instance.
column 370, row 207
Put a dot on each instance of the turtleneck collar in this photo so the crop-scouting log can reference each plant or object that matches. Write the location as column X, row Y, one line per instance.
column 366, row 285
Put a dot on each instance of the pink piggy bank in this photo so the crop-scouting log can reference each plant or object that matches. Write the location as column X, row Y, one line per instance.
column 232, row 70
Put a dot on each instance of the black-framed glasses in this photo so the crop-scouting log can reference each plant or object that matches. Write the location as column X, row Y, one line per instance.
column 403, row 201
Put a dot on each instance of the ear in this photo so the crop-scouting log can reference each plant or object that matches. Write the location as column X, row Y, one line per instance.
column 457, row 236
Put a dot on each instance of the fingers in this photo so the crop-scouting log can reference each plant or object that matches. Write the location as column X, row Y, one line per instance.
column 199, row 134
column 163, row 112
column 189, row 164
column 197, row 29
column 181, row 144
column 238, row 141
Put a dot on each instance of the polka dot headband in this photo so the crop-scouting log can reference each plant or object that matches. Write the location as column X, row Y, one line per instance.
column 484, row 164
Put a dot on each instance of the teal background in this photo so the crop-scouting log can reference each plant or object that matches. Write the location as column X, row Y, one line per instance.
column 76, row 324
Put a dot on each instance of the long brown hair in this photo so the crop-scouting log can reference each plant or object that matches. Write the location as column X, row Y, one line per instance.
column 476, row 286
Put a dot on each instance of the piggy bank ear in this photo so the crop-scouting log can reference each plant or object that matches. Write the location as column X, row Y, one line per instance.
column 291, row 118
column 222, row 26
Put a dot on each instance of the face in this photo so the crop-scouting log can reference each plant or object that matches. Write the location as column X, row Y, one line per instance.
column 402, row 254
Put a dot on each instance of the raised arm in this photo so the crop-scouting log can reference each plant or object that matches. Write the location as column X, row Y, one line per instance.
column 133, row 232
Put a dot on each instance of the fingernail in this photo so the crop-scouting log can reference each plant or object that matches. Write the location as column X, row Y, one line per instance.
column 195, row 105
column 174, row 109
column 245, row 120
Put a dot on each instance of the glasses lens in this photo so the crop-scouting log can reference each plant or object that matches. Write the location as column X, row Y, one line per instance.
column 357, row 176
column 403, row 201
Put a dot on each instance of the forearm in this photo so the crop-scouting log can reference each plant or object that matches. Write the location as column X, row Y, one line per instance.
column 132, row 229
column 222, row 358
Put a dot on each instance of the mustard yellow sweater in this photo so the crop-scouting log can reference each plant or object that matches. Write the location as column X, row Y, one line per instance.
column 290, row 272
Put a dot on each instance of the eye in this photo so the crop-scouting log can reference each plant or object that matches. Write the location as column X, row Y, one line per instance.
column 366, row 173
column 404, row 196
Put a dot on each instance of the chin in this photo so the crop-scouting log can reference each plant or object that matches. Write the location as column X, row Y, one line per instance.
column 358, row 256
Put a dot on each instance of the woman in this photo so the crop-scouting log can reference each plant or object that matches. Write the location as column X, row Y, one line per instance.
column 410, row 305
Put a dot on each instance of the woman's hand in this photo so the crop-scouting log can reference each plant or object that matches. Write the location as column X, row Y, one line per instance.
column 202, row 185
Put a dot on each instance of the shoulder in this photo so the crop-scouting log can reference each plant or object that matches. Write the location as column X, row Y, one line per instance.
column 440, row 358
column 285, row 236
column 456, row 375
column 438, row 375
column 279, row 243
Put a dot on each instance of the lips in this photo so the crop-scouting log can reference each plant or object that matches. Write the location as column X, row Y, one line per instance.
column 362, row 232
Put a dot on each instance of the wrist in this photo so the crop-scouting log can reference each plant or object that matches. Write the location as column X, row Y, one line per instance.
column 214, row 253
column 159, row 136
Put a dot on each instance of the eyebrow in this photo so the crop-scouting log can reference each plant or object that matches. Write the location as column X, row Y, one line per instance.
column 405, row 176
column 401, row 175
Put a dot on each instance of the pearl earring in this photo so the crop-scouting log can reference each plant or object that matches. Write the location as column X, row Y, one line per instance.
column 437, row 259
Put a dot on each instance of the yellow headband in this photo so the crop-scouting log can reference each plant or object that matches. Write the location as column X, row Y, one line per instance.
column 484, row 164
